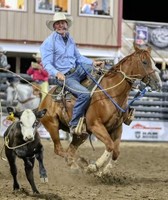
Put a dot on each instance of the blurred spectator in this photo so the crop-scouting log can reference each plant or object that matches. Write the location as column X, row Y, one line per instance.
column 164, row 75
column 105, row 7
column 3, row 59
column 89, row 8
column 39, row 74
column 45, row 4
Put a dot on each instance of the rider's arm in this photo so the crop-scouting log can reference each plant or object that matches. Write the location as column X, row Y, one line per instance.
column 47, row 55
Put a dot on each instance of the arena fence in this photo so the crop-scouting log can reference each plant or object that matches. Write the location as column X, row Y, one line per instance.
column 152, row 106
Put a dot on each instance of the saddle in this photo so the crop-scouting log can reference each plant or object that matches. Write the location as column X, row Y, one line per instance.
column 61, row 95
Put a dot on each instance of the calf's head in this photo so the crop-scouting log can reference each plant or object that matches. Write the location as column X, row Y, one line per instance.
column 28, row 120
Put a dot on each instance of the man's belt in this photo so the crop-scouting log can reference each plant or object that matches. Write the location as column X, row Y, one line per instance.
column 71, row 71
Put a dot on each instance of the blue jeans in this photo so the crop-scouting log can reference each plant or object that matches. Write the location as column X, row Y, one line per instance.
column 81, row 93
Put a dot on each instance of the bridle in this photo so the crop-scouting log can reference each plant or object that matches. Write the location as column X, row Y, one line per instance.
column 146, row 79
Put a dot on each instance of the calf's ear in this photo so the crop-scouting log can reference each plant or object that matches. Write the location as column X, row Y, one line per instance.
column 14, row 111
column 41, row 113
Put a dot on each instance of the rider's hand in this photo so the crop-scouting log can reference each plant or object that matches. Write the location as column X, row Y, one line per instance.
column 98, row 63
column 60, row 76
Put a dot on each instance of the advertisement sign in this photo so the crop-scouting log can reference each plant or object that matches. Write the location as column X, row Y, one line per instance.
column 146, row 131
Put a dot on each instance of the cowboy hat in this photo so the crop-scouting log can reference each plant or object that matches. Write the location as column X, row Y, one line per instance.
column 37, row 55
column 58, row 17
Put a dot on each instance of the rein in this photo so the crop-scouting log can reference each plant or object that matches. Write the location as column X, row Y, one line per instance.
column 139, row 94
column 151, row 72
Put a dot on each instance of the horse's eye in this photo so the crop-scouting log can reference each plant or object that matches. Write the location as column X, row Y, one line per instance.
column 144, row 62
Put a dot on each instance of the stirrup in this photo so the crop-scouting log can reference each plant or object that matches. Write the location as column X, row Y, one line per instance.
column 81, row 127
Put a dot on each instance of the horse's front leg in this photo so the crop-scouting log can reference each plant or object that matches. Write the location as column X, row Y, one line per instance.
column 101, row 133
column 116, row 137
column 100, row 162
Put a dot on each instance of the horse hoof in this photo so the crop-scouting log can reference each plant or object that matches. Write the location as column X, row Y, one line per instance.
column 82, row 163
column 44, row 179
column 91, row 168
column 74, row 168
column 98, row 174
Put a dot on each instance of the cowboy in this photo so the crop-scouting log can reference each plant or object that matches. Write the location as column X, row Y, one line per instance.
column 39, row 75
column 62, row 59
column 3, row 59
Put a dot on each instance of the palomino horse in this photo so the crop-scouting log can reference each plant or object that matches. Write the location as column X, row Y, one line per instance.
column 104, row 118
column 28, row 96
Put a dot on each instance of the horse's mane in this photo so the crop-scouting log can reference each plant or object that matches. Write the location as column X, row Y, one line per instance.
column 117, row 65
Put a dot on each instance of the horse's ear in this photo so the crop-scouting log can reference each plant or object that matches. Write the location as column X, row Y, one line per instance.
column 149, row 48
column 136, row 47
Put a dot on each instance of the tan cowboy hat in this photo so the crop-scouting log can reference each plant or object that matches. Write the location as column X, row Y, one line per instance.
column 58, row 17
column 37, row 55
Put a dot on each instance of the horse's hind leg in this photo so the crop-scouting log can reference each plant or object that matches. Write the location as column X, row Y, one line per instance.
column 52, row 126
column 71, row 151
column 42, row 170
column 13, row 169
column 29, row 165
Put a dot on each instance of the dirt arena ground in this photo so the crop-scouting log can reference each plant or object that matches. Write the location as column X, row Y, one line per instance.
column 140, row 174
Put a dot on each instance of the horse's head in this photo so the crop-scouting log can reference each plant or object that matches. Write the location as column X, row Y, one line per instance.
column 11, row 91
column 28, row 120
column 146, row 69
column 11, row 95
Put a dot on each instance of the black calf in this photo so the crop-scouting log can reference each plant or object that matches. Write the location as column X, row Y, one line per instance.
column 16, row 146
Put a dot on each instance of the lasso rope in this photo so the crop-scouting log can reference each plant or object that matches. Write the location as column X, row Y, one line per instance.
column 33, row 85
column 64, row 85
column 6, row 142
column 101, row 89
